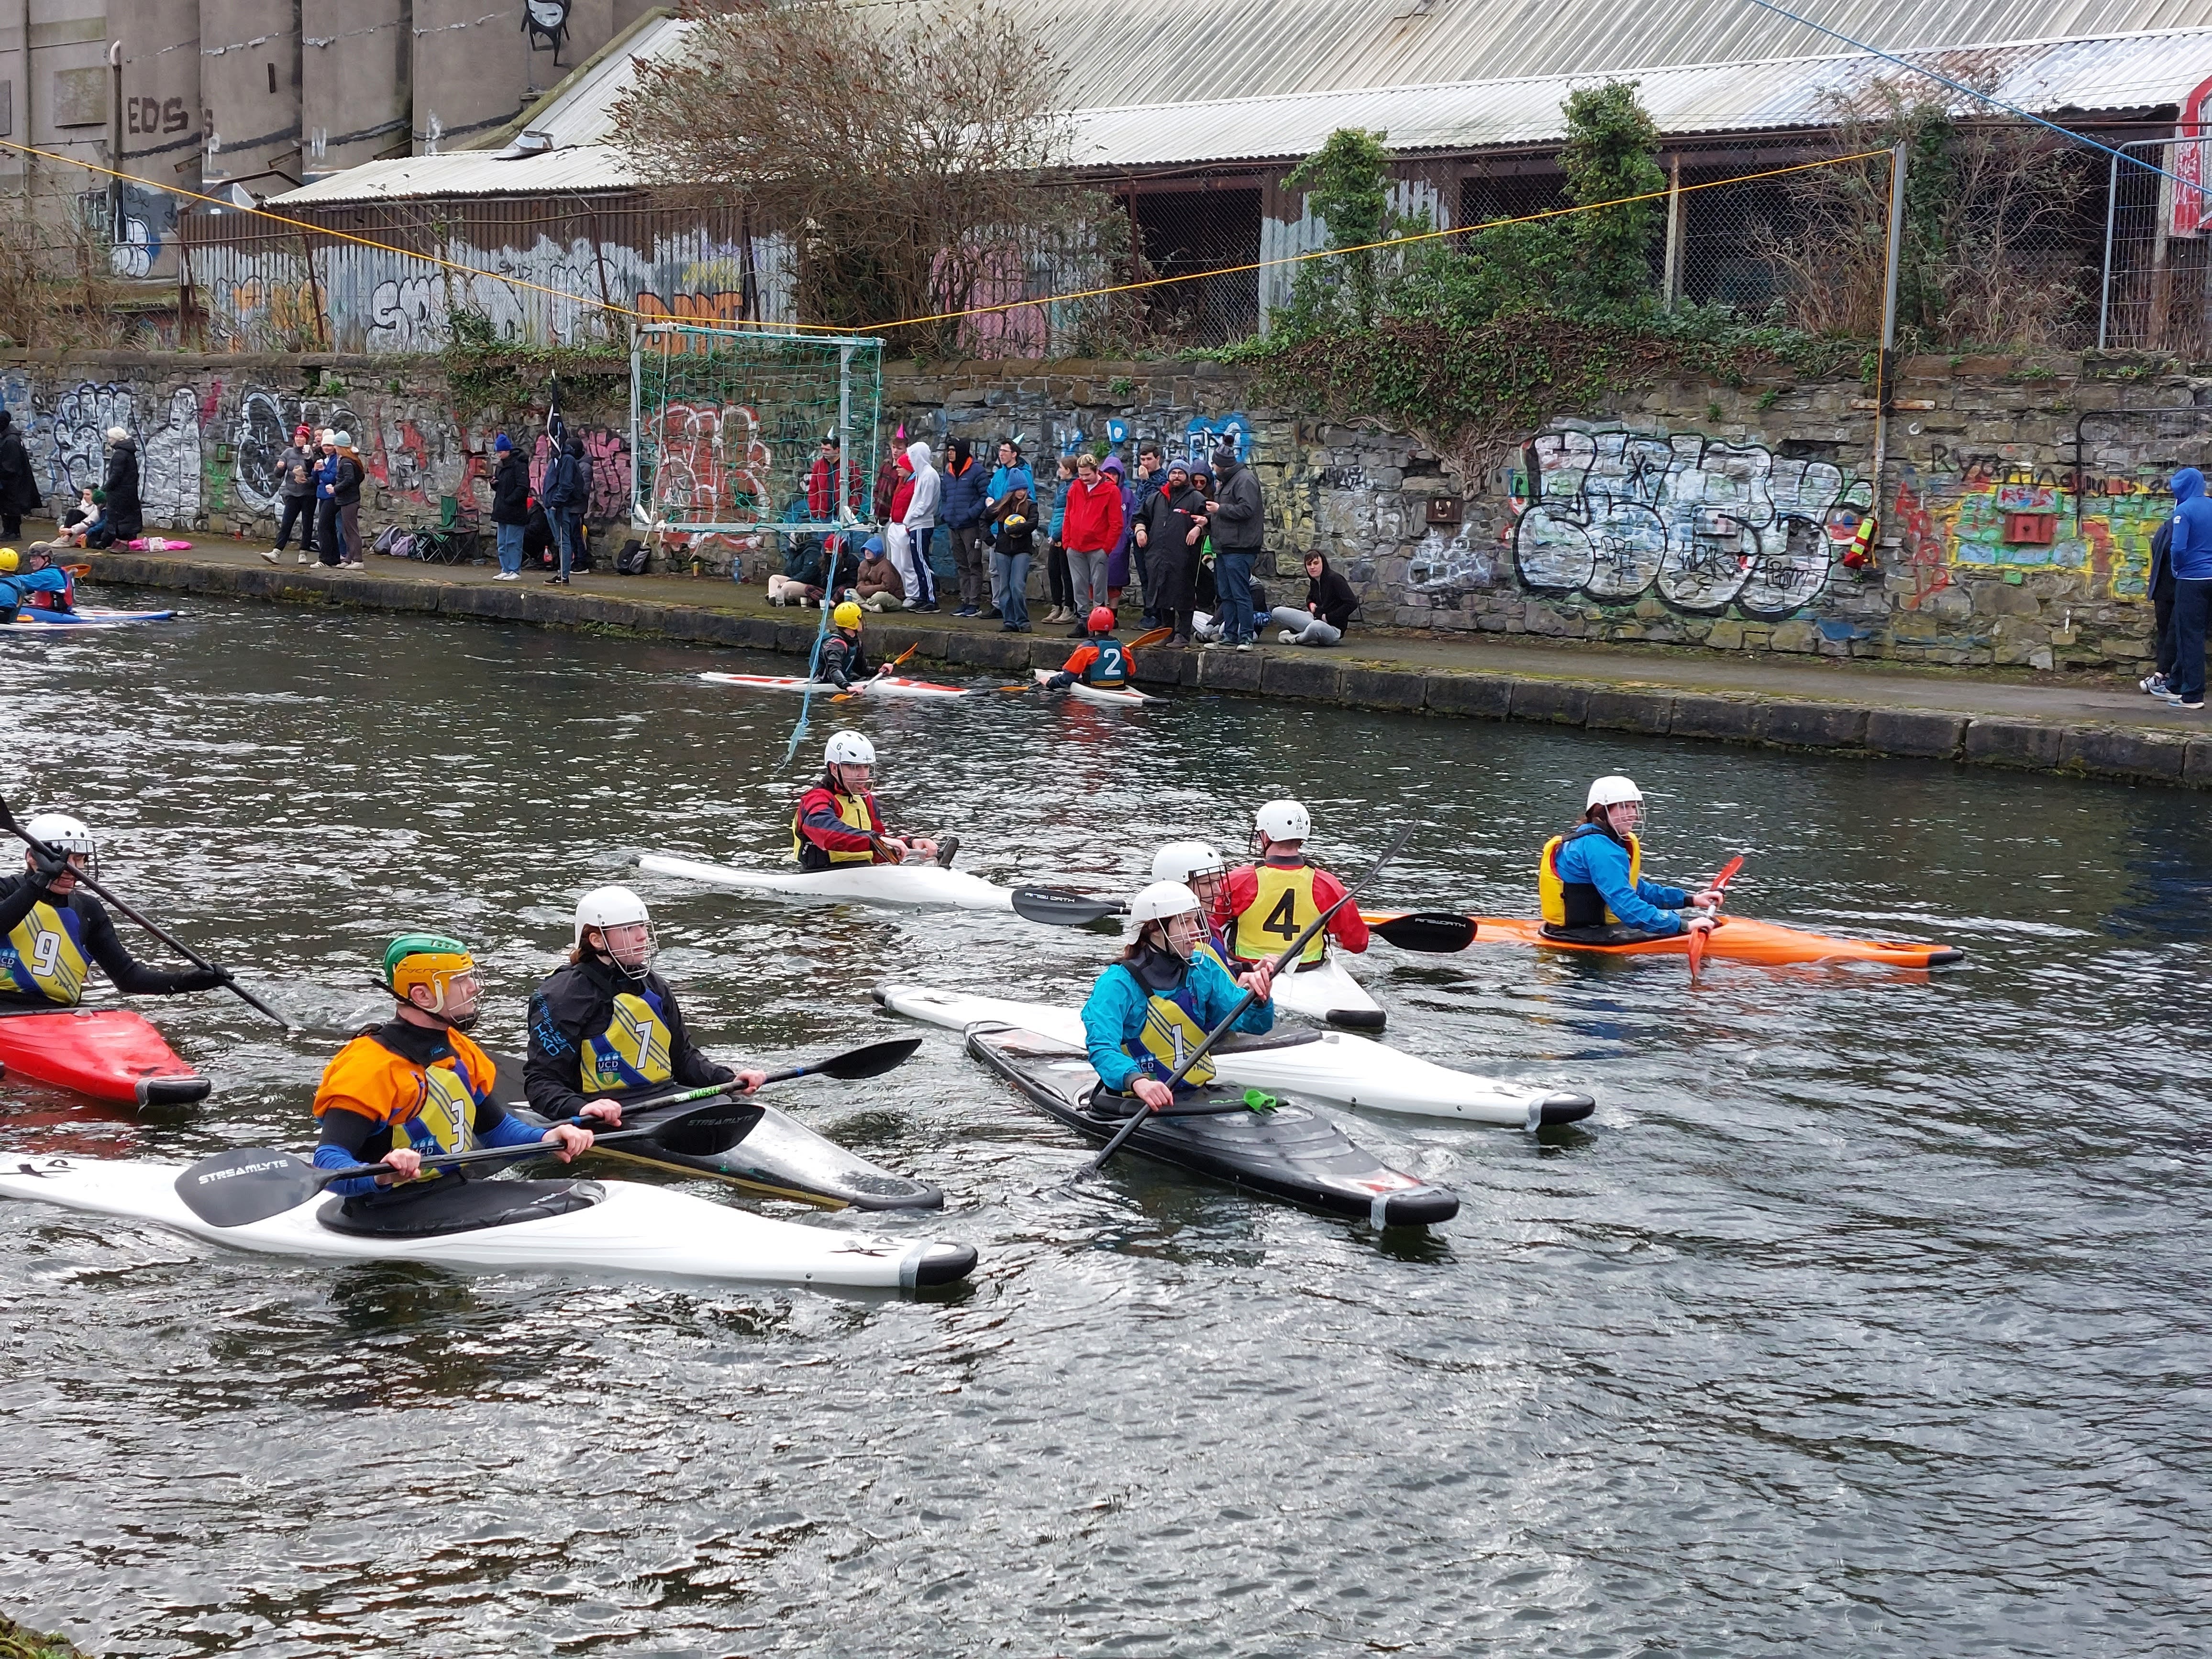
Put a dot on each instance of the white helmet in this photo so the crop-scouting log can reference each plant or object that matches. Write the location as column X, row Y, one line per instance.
column 1183, row 860
column 849, row 749
column 1611, row 790
column 609, row 907
column 1284, row 820
column 64, row 833
column 1161, row 900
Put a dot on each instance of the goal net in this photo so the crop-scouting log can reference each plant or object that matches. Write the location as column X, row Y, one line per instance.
column 727, row 426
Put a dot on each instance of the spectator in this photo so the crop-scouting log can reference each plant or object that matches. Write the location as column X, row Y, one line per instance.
column 878, row 585
column 1237, row 528
column 966, row 483
column 2191, row 555
column 351, row 472
column 1330, row 605
column 1013, row 535
column 19, row 490
column 920, row 521
column 327, row 548
column 822, row 482
column 126, row 517
column 84, row 522
column 1012, row 473
column 799, row 581
column 295, row 494
column 1172, row 525
column 888, row 477
column 1090, row 528
column 510, row 507
column 1152, row 477
column 1063, row 591
column 896, row 541
column 563, row 492
column 1117, row 557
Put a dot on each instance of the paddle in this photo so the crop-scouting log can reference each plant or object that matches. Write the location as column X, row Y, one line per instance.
column 8, row 823
column 1439, row 932
column 873, row 1060
column 846, row 696
column 1149, row 637
column 234, row 1189
column 1719, row 887
column 1289, row 954
column 1057, row 907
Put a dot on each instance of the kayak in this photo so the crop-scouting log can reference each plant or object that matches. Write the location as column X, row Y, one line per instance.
column 781, row 1158
column 1100, row 694
column 618, row 1226
column 884, row 685
column 1324, row 990
column 921, row 885
column 110, row 1054
column 1296, row 1152
column 1738, row 938
column 1333, row 1066
column 56, row 619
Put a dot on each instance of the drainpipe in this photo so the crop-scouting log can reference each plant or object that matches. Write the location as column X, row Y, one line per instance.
column 30, row 132
column 114, row 135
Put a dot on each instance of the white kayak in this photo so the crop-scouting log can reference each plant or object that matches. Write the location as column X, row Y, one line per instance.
column 882, row 685
column 1326, row 1066
column 920, row 884
column 614, row 1226
column 43, row 622
column 1324, row 990
column 1099, row 693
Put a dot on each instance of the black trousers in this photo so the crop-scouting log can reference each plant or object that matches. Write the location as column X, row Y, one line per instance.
column 300, row 509
column 2161, row 610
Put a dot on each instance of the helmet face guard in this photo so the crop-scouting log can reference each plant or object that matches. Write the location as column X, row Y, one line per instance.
column 68, row 836
column 441, row 965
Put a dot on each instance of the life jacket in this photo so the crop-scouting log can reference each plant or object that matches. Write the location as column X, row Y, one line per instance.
column 1282, row 907
column 431, row 1108
column 634, row 1052
column 1172, row 1029
column 856, row 812
column 45, row 954
column 1579, row 903
column 47, row 601
column 1109, row 669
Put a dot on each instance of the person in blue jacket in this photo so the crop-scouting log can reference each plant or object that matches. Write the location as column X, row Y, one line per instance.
column 2190, row 557
column 33, row 573
column 1150, row 1010
column 1591, row 882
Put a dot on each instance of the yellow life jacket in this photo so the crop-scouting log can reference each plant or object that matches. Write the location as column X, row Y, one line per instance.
column 44, row 955
column 854, row 810
column 1579, row 904
column 1172, row 1031
column 634, row 1052
column 1281, row 909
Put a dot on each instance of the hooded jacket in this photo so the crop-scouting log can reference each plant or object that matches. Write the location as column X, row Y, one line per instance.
column 966, row 482
column 19, row 489
column 125, row 516
column 921, row 507
column 1117, row 557
column 1330, row 597
column 1238, row 527
column 2192, row 555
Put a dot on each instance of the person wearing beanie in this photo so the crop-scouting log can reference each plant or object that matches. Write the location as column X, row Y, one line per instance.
column 126, row 516
column 295, row 496
column 1235, row 524
column 510, row 506
column 337, row 503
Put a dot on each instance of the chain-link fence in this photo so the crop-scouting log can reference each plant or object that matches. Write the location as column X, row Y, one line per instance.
column 2156, row 292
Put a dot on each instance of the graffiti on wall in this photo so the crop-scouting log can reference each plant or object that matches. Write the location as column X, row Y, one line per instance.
column 606, row 454
column 262, row 432
column 81, row 417
column 169, row 463
column 1703, row 524
column 1964, row 510
column 707, row 465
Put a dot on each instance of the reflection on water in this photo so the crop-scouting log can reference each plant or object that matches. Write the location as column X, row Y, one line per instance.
column 1866, row 1316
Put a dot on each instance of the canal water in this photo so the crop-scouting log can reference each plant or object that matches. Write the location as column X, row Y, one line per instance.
column 1867, row 1315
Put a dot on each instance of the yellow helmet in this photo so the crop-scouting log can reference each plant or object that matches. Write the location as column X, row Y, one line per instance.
column 8, row 561
column 430, row 960
column 846, row 615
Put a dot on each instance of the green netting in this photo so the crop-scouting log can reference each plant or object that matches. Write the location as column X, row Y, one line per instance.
column 726, row 424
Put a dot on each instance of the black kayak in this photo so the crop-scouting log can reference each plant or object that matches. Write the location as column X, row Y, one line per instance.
column 1297, row 1151
column 779, row 1157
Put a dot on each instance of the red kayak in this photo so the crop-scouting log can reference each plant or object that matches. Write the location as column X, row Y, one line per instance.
column 109, row 1054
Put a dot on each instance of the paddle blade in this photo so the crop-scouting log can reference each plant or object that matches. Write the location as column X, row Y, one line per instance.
column 1055, row 906
column 1428, row 930
column 705, row 1131
column 1697, row 951
column 249, row 1184
column 871, row 1061
column 1150, row 637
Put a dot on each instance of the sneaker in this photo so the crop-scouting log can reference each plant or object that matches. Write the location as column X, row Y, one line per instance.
column 2154, row 682
column 2191, row 706
column 776, row 599
column 1010, row 628
column 556, row 581
column 273, row 555
column 910, row 605
column 1243, row 645
column 509, row 576
column 1289, row 638
column 945, row 849
column 967, row 610
column 307, row 558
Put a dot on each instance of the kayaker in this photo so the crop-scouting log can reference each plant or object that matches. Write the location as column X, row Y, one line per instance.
column 1101, row 660
column 843, row 658
column 54, row 931
column 1204, row 870
column 1267, row 904
column 1148, row 1010
column 416, row 1086
column 607, row 1024
column 836, row 821
column 33, row 579
column 1590, row 880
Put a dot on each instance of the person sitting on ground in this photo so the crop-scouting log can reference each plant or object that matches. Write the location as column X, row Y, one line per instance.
column 1590, row 885
column 52, row 930
column 32, row 578
column 1148, row 1012
column 844, row 659
column 415, row 1086
column 1329, row 605
column 606, row 1025
column 836, row 822
column 1101, row 660
column 1267, row 905
column 878, row 585
column 800, row 582
column 85, row 519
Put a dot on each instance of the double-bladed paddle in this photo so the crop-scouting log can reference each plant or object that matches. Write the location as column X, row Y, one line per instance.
column 870, row 1060
column 253, row 1183
column 846, row 696
column 1438, row 932
column 8, row 823
column 1289, row 954
column 1057, row 907
column 1719, row 886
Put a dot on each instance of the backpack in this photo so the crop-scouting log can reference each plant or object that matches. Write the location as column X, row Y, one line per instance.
column 631, row 560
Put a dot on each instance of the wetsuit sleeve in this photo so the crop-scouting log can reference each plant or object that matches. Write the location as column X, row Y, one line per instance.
column 1218, row 993
column 819, row 823
column 837, row 664
column 1605, row 863
column 553, row 1068
column 126, row 973
column 687, row 1065
column 497, row 1126
column 1113, row 1010
column 346, row 1136
column 17, row 895
column 1071, row 670
column 1346, row 927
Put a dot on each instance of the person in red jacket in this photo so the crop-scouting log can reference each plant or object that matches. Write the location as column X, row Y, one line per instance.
column 1264, row 905
column 836, row 822
column 1091, row 529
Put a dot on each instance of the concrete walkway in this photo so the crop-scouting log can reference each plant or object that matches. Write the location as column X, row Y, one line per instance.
column 2043, row 721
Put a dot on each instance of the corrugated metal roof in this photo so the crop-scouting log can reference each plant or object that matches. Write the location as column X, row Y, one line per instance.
column 469, row 172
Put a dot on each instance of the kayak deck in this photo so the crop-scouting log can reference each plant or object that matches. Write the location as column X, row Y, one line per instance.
column 112, row 1055
column 1107, row 696
column 884, row 685
column 624, row 1228
column 1738, row 938
column 1326, row 990
column 1296, row 1153
column 84, row 619
column 922, row 886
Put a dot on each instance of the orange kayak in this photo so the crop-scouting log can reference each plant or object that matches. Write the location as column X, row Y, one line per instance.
column 1739, row 939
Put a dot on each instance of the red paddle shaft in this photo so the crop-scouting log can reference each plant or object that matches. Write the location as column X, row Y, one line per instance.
column 1719, row 887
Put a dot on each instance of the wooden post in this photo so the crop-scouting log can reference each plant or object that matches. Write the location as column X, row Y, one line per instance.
column 1671, row 289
